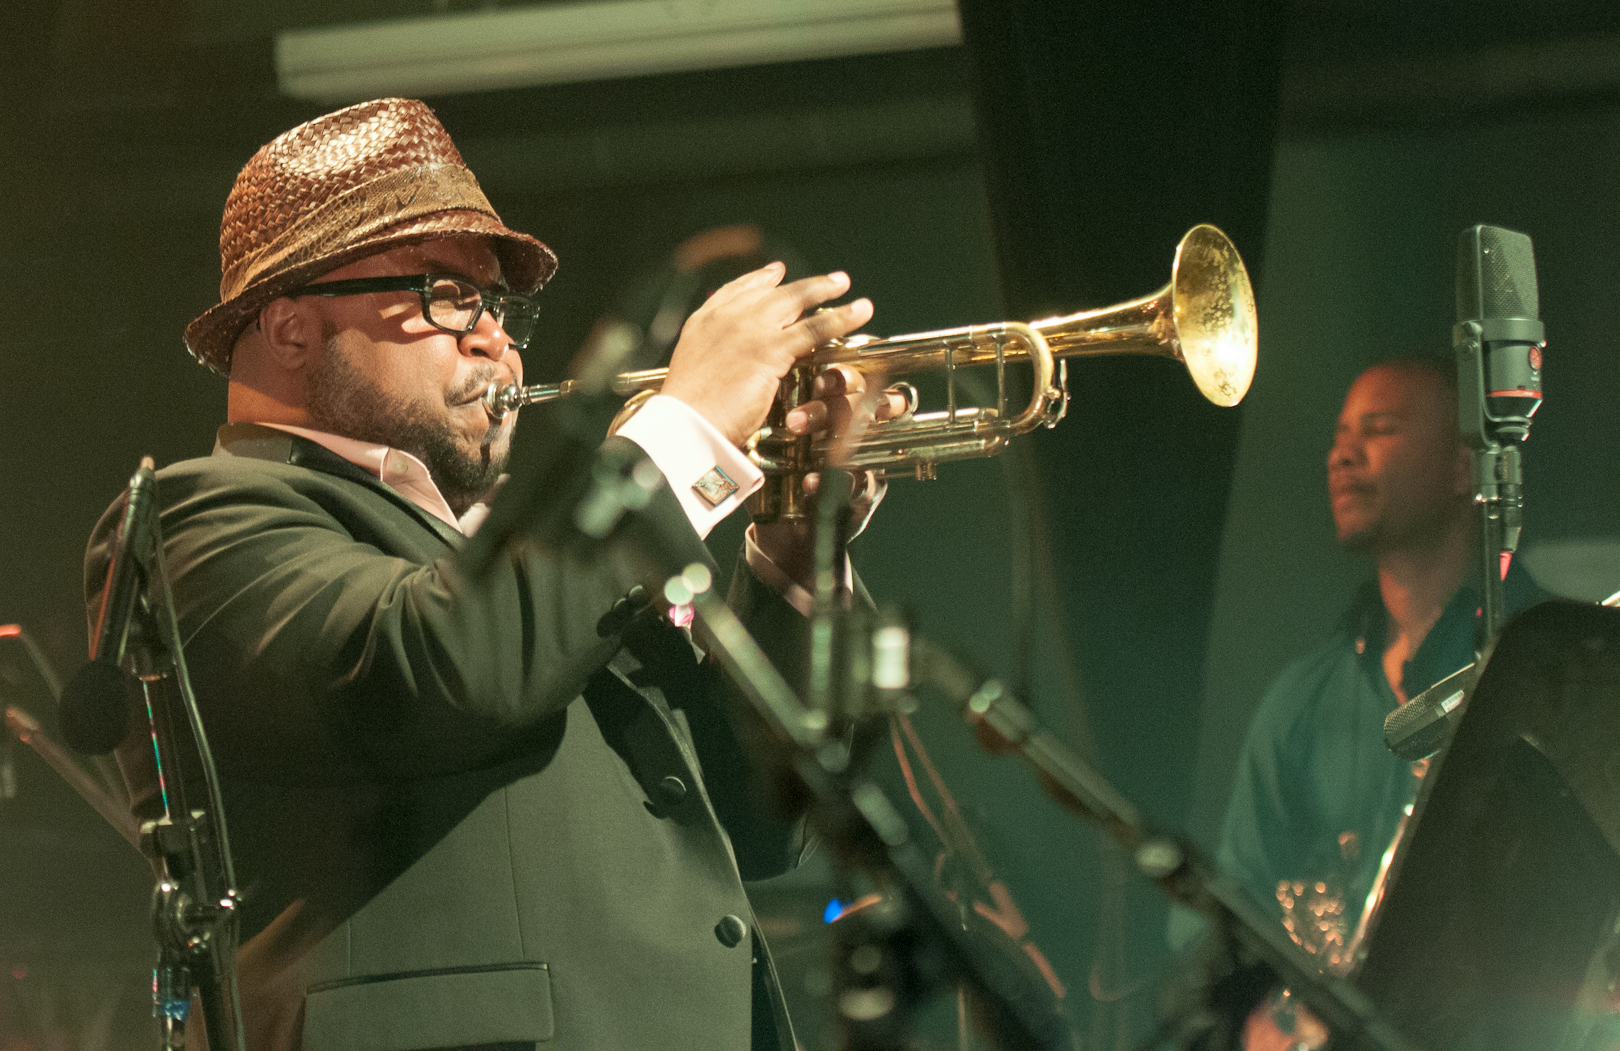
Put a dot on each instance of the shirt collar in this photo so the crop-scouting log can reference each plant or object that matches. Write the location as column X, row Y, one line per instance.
column 1449, row 645
column 395, row 468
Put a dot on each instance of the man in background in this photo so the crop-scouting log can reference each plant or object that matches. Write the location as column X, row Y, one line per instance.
column 1318, row 799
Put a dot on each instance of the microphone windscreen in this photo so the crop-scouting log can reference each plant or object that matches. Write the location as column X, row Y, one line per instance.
column 1496, row 275
column 1418, row 738
column 95, row 708
column 1422, row 726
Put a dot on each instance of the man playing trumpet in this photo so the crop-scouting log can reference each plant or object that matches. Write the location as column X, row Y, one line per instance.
column 486, row 814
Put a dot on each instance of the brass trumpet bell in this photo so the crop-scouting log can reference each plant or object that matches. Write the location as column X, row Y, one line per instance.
column 1211, row 303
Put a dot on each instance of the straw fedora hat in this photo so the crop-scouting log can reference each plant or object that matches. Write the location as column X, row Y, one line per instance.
column 344, row 186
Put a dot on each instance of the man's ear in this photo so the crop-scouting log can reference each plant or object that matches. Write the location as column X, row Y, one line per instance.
column 291, row 334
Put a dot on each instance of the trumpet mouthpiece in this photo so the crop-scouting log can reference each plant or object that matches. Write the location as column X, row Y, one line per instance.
column 500, row 400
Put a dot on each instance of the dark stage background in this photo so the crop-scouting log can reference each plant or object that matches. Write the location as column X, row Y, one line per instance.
column 1168, row 558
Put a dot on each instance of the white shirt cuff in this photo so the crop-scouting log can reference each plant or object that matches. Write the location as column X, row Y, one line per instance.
column 689, row 450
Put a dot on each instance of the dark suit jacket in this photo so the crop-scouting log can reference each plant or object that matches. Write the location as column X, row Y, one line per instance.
column 461, row 814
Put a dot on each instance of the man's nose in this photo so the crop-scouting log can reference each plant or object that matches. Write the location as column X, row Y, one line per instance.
column 1344, row 451
column 487, row 339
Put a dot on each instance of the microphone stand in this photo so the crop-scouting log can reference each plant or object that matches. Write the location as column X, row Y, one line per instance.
column 195, row 903
column 1253, row 957
column 893, row 955
column 834, row 683
column 857, row 664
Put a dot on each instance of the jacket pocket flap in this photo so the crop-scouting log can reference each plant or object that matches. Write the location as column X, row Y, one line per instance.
column 438, row 1009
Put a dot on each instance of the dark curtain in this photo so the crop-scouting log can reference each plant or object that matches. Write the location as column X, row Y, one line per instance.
column 1108, row 129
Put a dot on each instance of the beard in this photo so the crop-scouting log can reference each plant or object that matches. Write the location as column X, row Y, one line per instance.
column 342, row 400
column 1357, row 537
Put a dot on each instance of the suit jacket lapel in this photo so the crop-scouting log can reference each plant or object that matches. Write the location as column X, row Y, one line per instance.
column 267, row 443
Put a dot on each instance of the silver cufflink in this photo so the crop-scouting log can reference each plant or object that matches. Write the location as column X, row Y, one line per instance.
column 715, row 487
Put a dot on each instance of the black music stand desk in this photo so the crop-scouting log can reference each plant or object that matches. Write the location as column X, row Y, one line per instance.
column 1498, row 929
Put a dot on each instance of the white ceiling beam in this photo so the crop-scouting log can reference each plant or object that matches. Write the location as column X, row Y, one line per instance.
column 594, row 40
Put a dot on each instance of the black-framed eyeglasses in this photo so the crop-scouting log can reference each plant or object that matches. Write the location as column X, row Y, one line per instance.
column 450, row 304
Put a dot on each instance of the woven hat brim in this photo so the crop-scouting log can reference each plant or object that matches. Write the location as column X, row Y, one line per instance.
column 526, row 263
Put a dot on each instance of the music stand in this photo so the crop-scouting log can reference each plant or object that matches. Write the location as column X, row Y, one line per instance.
column 1499, row 922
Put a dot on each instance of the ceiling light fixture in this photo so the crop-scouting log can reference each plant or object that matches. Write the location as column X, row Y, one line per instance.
column 594, row 40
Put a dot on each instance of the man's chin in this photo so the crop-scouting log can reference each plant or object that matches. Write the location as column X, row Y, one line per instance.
column 493, row 455
column 464, row 471
column 1358, row 540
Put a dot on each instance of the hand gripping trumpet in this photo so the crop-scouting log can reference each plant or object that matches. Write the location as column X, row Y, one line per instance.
column 1204, row 318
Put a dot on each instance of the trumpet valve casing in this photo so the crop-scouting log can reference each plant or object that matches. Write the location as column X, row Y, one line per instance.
column 782, row 495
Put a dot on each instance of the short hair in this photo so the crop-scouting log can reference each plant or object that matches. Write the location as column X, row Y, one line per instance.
column 1442, row 369
column 1433, row 366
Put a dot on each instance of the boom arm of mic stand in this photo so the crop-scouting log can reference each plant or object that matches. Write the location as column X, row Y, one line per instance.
column 1004, row 726
column 861, row 823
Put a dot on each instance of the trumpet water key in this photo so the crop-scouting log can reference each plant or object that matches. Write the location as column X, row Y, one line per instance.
column 1204, row 317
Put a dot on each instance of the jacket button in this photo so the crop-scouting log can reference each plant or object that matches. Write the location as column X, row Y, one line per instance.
column 731, row 931
column 672, row 790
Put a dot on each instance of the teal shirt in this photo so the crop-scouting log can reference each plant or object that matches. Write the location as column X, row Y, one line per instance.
column 1318, row 796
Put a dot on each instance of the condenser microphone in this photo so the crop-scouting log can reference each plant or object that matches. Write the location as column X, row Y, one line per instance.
column 1498, row 340
column 1499, row 334
column 96, row 701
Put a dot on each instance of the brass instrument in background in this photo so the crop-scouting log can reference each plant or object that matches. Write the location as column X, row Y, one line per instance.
column 1204, row 318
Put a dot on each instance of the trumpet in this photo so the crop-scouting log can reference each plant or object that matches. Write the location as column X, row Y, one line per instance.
column 1204, row 317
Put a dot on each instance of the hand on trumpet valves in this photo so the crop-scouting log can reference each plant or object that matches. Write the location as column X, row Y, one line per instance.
column 843, row 407
column 735, row 349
